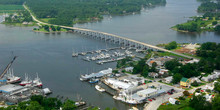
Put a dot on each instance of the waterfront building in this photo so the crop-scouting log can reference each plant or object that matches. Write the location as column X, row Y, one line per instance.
column 149, row 92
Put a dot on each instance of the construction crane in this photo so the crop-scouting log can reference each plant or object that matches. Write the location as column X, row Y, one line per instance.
column 7, row 68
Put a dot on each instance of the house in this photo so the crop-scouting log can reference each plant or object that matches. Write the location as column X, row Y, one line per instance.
column 163, row 71
column 195, row 79
column 129, row 69
column 153, row 74
column 168, row 79
column 184, row 82
column 211, row 77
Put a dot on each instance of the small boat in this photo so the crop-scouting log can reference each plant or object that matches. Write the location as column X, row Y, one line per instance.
column 99, row 88
column 93, row 80
column 74, row 54
column 27, row 81
column 47, row 91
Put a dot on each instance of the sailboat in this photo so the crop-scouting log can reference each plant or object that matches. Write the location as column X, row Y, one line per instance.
column 11, row 78
column 27, row 81
column 37, row 82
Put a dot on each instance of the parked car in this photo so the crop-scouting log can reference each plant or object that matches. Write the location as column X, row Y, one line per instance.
column 150, row 100
column 169, row 93
column 153, row 98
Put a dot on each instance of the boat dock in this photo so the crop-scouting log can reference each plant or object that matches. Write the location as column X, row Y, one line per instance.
column 108, row 90
column 110, row 60
column 96, row 51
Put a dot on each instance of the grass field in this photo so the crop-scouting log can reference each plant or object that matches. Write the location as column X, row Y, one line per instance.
column 46, row 19
column 182, row 106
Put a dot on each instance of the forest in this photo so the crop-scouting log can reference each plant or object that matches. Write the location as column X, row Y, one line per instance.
column 197, row 24
column 12, row 2
column 68, row 12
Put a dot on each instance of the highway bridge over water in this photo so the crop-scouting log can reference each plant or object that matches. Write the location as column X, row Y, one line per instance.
column 111, row 38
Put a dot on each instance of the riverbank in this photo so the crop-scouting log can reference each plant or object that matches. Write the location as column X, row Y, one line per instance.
column 49, row 29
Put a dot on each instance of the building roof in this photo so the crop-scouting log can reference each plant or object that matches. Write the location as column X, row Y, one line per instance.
column 147, row 91
column 10, row 88
column 184, row 79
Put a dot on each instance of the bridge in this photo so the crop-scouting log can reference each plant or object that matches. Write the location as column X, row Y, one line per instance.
column 111, row 37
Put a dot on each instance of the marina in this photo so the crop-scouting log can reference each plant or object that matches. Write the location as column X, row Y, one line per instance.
column 112, row 55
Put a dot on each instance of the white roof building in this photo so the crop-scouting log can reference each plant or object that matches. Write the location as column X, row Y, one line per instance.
column 118, row 84
column 147, row 92
column 129, row 69
column 168, row 79
column 9, row 88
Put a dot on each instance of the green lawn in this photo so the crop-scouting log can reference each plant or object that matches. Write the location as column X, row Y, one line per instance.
column 10, row 8
column 46, row 19
column 182, row 106
column 168, row 54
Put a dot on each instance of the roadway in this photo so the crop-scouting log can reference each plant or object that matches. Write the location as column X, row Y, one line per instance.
column 108, row 34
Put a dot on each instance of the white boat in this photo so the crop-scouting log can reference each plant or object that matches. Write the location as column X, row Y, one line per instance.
column 99, row 88
column 37, row 82
column 74, row 54
column 11, row 78
column 27, row 81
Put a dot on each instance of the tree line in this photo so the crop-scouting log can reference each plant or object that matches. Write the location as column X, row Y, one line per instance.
column 67, row 12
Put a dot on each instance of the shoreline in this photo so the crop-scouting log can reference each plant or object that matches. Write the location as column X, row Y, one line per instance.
column 54, row 32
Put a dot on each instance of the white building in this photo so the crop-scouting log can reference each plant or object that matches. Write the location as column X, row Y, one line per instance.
column 129, row 69
column 134, row 80
column 116, row 84
column 168, row 79
column 147, row 92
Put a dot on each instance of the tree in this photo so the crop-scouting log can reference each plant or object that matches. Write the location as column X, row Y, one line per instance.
column 38, row 98
column 58, row 28
column 216, row 103
column 176, row 78
column 195, row 83
column 69, row 105
column 199, row 103
column 214, row 22
column 217, row 28
column 170, row 65
column 46, row 27
column 34, row 105
column 145, row 71
column 115, row 71
column 217, row 87
column 186, row 93
column 53, row 28
column 171, row 45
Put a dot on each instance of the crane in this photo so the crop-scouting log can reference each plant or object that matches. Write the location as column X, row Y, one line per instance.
column 7, row 68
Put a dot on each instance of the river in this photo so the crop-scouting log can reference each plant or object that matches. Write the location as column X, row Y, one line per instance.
column 50, row 54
